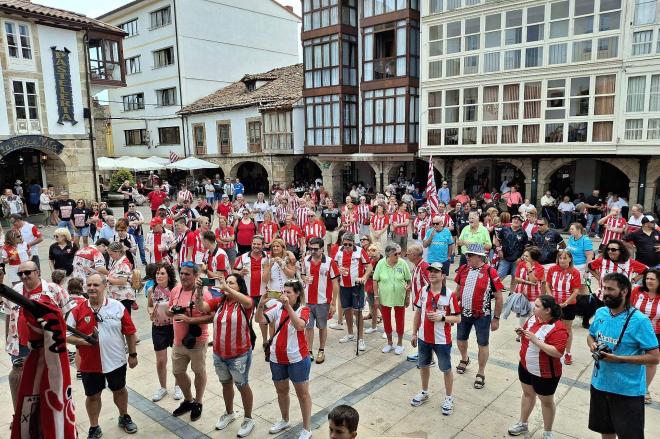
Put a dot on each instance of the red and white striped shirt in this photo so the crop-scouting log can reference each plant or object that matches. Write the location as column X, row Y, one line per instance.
column 444, row 304
column 188, row 247
column 294, row 202
column 231, row 328
column 532, row 358
column 378, row 222
column 420, row 278
column 349, row 221
column 289, row 345
column 184, row 195
column 563, row 282
column 613, row 223
column 401, row 217
column 522, row 272
column 291, row 235
column 322, row 273
column 314, row 229
column 604, row 266
column 420, row 226
column 280, row 213
column 154, row 244
column 530, row 228
column 474, row 289
column 354, row 261
column 651, row 307
column 268, row 231
column 364, row 212
column 255, row 271
column 217, row 261
column 301, row 215
column 446, row 220
column 224, row 233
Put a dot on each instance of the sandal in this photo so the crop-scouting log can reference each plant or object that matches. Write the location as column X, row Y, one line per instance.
column 462, row 365
column 380, row 320
column 648, row 399
column 479, row 381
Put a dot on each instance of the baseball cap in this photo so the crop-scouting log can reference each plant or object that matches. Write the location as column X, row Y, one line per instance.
column 156, row 221
column 518, row 217
column 647, row 218
column 436, row 266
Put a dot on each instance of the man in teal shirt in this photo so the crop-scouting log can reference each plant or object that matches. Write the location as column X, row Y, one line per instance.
column 440, row 244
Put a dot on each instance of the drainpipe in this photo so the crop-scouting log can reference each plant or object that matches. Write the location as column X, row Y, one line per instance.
column 184, row 136
column 91, row 116
column 641, row 188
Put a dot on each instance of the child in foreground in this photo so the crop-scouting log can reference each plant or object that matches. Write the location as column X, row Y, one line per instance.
column 343, row 421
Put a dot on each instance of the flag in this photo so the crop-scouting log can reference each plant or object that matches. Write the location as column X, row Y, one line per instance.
column 431, row 191
column 173, row 157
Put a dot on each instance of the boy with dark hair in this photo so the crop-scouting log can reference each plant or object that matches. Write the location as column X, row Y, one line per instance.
column 343, row 421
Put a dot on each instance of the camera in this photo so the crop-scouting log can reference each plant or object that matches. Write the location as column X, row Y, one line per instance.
column 601, row 348
column 177, row 309
column 190, row 339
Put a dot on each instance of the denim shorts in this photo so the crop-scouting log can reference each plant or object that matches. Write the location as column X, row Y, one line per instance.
column 296, row 372
column 234, row 369
column 442, row 352
column 352, row 297
column 18, row 360
column 481, row 327
column 505, row 268
column 84, row 231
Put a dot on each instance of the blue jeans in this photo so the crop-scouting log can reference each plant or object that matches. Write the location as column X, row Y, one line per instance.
column 426, row 350
column 210, row 200
column 566, row 218
column 593, row 218
column 139, row 240
column 296, row 372
column 67, row 225
column 505, row 268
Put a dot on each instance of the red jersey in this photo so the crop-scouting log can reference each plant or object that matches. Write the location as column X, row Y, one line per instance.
column 322, row 273
column 379, row 222
column 281, row 212
column 217, row 261
column 605, row 266
column 649, row 306
column 420, row 226
column 446, row 220
column 158, row 245
column 291, row 235
column 245, row 232
column 301, row 215
column 289, row 345
column 364, row 213
column 188, row 246
column 354, row 261
column 475, row 287
column 225, row 233
column 156, row 198
column 314, row 229
column 613, row 223
column 350, row 221
column 532, row 358
column 445, row 303
column 268, row 230
column 224, row 209
column 401, row 217
column 184, row 195
column 255, row 268
column 530, row 291
column 530, row 228
column 563, row 282
column 231, row 328
column 420, row 278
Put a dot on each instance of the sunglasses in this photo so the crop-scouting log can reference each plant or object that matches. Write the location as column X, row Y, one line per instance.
column 347, row 244
column 313, row 249
column 437, row 224
column 613, row 249
column 25, row 273
column 188, row 264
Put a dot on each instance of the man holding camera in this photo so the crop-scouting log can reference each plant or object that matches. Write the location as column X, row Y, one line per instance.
column 190, row 338
column 622, row 342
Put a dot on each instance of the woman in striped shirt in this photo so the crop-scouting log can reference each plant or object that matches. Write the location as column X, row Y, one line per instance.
column 646, row 298
column 529, row 277
column 268, row 229
column 379, row 223
column 224, row 234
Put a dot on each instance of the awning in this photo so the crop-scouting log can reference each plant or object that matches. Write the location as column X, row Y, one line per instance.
column 138, row 164
column 160, row 160
column 192, row 163
column 107, row 164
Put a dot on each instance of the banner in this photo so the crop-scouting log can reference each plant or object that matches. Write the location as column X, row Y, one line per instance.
column 62, row 70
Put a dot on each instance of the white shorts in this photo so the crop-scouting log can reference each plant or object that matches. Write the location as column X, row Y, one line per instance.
column 584, row 274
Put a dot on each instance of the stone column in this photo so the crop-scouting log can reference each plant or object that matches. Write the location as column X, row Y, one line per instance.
column 634, row 190
column 649, row 196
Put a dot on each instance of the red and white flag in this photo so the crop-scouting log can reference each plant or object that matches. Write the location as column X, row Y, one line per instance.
column 431, row 191
column 173, row 157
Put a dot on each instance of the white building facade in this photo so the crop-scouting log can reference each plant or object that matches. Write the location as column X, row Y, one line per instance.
column 560, row 95
column 179, row 51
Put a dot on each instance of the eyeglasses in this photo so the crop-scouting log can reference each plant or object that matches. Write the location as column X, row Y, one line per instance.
column 437, row 224
column 347, row 244
column 609, row 249
column 25, row 273
column 313, row 249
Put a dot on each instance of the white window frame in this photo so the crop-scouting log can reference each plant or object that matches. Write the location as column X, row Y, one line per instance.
column 19, row 44
column 160, row 11
column 155, row 56
column 27, row 125
column 131, row 63
column 160, row 93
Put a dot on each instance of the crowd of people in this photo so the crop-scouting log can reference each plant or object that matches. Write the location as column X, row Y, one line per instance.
column 219, row 270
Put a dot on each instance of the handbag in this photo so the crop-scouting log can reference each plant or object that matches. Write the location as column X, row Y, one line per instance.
column 270, row 340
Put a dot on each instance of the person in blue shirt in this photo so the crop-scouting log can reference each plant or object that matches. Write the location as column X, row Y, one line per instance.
column 440, row 244
column 238, row 188
column 418, row 197
column 443, row 193
column 618, row 383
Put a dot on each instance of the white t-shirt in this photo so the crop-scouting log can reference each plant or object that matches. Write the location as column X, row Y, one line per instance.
column 566, row 207
column 210, row 190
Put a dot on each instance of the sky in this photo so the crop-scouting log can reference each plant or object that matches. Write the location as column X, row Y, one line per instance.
column 93, row 8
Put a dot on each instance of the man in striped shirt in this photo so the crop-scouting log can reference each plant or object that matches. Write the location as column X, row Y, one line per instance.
column 613, row 224
column 293, row 237
column 364, row 215
column 313, row 227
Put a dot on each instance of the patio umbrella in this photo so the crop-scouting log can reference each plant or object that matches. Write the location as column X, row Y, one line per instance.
column 107, row 164
column 192, row 163
column 137, row 164
column 160, row 160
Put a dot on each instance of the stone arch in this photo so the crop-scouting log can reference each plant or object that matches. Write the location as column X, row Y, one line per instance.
column 461, row 169
column 43, row 166
column 253, row 174
column 304, row 169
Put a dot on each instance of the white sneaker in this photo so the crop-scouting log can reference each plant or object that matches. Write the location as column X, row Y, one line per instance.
column 347, row 338
column 178, row 394
column 225, row 420
column 384, row 336
column 370, row 330
column 548, row 435
column 419, row 399
column 387, row 349
column 304, row 434
column 159, row 394
column 448, row 405
column 246, row 427
column 399, row 350
column 336, row 325
column 279, row 426
column 361, row 345
column 518, row 428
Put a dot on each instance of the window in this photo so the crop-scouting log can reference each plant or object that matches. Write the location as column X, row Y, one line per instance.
column 104, row 58
column 488, row 135
column 583, row 25
column 254, row 132
column 130, row 27
column 161, row 17
column 451, row 136
column 530, row 133
column 577, row 132
column 133, row 65
column 491, row 102
column 435, row 69
column 349, row 60
column 602, row 131
column 451, row 106
column 510, row 97
column 163, row 57
column 579, row 97
column 385, row 50
column 471, row 64
column 278, row 134
column 19, row 43
column 555, row 94
column 168, row 135
column 605, row 91
column 470, row 100
column 654, row 96
column 634, row 128
column 609, row 20
column 554, row 132
column 608, row 47
column 199, row 138
column 435, row 107
column 133, row 102
column 557, row 53
column 377, row 7
column 559, row 19
column 493, row 32
column 534, row 57
column 469, row 136
column 136, row 137
column 653, row 130
column 513, row 34
column 644, row 12
column 512, row 59
column 472, row 28
column 323, row 120
column 636, row 90
column 317, row 15
column 322, row 62
column 166, row 97
column 492, row 62
column 582, row 51
column 26, row 106
column 434, row 137
column 642, row 42
column 454, row 37
column 510, row 134
column 453, row 67
column 535, row 18
column 435, row 6
column 435, row 40
column 349, row 12
column 223, row 130
column 385, row 116
column 532, row 102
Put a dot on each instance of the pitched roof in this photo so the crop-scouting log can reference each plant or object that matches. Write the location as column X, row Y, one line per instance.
column 73, row 19
column 282, row 88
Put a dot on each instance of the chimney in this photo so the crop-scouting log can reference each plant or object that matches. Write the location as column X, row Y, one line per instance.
column 289, row 8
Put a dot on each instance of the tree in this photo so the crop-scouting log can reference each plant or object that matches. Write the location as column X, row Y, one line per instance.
column 119, row 177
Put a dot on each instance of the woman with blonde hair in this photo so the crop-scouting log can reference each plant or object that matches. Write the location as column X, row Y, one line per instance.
column 280, row 267
column 62, row 251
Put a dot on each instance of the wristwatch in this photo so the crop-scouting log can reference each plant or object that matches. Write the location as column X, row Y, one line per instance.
column 442, row 319
column 496, row 317
column 133, row 355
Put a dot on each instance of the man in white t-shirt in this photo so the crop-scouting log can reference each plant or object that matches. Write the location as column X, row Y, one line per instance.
column 30, row 233
column 210, row 191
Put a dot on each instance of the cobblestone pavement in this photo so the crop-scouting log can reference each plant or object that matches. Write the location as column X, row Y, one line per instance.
column 378, row 385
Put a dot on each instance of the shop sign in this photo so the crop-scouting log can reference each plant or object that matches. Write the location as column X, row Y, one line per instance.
column 62, row 70
column 40, row 143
